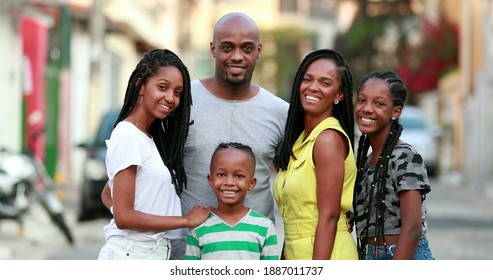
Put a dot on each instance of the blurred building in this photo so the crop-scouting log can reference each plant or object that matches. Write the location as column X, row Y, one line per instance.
column 465, row 96
column 67, row 63
column 76, row 56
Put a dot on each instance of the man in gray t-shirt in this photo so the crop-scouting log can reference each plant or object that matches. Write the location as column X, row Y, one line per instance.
column 257, row 122
column 228, row 108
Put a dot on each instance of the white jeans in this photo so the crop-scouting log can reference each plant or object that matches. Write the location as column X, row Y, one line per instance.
column 122, row 248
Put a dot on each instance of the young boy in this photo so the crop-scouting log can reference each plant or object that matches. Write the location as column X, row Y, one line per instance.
column 233, row 231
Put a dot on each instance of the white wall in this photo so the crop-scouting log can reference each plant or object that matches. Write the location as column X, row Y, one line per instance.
column 10, row 82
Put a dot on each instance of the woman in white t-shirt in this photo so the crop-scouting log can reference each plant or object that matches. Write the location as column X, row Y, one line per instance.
column 145, row 162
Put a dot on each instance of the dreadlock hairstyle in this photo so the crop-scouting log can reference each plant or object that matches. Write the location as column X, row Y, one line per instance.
column 169, row 134
column 342, row 111
column 378, row 188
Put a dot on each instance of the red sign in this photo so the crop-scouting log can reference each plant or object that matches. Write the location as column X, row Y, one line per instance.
column 34, row 35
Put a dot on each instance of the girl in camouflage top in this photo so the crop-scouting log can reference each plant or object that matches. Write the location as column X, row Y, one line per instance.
column 392, row 182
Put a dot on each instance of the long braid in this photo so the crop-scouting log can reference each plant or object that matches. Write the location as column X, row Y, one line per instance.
column 361, row 155
column 168, row 134
column 343, row 111
column 380, row 178
column 378, row 188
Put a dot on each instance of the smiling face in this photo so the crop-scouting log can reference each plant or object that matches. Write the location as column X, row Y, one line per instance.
column 232, row 176
column 375, row 109
column 161, row 93
column 236, row 48
column 320, row 87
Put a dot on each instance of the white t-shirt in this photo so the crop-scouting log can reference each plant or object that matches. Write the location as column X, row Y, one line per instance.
column 154, row 190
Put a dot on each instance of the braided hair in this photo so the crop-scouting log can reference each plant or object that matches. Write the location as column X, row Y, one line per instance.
column 239, row 146
column 169, row 134
column 343, row 111
column 378, row 190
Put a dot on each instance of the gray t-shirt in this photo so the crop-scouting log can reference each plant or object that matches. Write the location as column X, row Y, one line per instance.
column 406, row 171
column 258, row 122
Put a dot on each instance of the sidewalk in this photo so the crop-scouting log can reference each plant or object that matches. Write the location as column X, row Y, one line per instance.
column 460, row 222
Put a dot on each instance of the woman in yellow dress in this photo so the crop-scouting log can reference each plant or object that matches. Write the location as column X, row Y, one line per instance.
column 317, row 169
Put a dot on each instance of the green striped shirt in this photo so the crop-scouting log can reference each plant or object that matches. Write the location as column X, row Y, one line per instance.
column 252, row 238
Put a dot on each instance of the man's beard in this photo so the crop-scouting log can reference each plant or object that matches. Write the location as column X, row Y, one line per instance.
column 237, row 81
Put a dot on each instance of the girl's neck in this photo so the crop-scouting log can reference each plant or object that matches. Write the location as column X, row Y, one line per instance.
column 377, row 146
column 140, row 123
column 377, row 141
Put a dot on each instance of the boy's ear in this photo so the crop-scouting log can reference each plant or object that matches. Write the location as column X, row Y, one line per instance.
column 253, row 182
column 209, row 179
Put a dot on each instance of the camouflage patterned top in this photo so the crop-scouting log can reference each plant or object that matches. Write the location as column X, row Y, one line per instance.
column 406, row 172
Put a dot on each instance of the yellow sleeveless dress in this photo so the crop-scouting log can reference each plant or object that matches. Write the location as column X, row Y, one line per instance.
column 296, row 198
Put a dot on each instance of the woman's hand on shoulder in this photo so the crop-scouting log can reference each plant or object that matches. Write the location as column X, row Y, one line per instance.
column 197, row 215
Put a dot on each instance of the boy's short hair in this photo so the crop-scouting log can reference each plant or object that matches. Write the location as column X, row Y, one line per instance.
column 242, row 147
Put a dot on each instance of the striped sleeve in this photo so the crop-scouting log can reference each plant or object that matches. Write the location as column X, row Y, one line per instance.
column 269, row 249
column 192, row 251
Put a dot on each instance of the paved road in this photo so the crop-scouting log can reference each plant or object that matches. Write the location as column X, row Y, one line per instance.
column 43, row 241
column 460, row 228
column 460, row 223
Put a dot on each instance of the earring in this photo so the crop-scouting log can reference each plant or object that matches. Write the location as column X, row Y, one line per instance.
column 336, row 101
column 140, row 99
column 394, row 118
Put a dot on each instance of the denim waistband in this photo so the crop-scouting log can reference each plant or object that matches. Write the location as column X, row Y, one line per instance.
column 380, row 249
column 376, row 250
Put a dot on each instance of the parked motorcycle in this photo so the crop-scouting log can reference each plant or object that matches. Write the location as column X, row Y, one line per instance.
column 9, row 186
column 23, row 181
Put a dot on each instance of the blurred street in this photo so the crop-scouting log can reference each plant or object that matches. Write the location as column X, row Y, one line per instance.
column 460, row 224
column 42, row 240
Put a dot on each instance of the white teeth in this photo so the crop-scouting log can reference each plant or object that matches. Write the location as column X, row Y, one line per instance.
column 165, row 107
column 367, row 120
column 312, row 98
column 229, row 192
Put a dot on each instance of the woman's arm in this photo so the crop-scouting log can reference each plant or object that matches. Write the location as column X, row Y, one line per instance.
column 126, row 217
column 329, row 153
column 411, row 224
column 106, row 196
